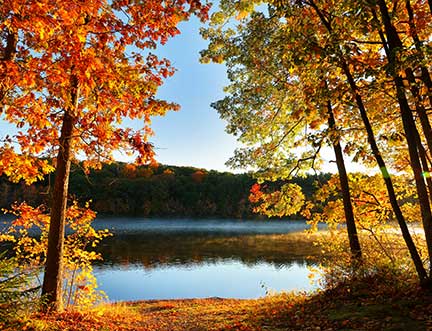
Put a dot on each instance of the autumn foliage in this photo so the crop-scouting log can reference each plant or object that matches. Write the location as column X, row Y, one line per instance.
column 95, row 50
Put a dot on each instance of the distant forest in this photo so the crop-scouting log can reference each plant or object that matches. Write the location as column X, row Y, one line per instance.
column 162, row 191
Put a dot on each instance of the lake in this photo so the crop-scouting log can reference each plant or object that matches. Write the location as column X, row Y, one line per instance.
column 189, row 258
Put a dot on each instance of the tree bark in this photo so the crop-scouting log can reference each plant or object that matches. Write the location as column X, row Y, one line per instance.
column 9, row 54
column 53, row 276
column 346, row 195
column 355, row 247
column 423, row 277
column 394, row 43
column 425, row 165
column 425, row 75
column 420, row 109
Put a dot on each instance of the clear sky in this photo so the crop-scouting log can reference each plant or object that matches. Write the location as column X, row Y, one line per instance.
column 195, row 135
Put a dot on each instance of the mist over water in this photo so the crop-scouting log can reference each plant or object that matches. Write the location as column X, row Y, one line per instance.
column 149, row 225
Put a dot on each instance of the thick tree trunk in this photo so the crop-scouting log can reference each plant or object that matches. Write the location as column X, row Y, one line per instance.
column 53, row 276
column 395, row 44
column 346, row 196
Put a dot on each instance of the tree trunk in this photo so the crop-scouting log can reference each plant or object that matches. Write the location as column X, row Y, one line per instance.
column 420, row 109
column 53, row 276
column 394, row 44
column 425, row 165
column 346, row 196
column 425, row 76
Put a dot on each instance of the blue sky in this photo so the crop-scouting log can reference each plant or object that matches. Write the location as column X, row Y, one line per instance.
column 195, row 135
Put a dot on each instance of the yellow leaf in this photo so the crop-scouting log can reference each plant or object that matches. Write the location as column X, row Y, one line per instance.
column 242, row 14
column 82, row 37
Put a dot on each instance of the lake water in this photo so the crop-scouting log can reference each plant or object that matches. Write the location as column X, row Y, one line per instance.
column 166, row 259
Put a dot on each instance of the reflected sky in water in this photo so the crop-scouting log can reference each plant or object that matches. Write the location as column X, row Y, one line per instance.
column 225, row 278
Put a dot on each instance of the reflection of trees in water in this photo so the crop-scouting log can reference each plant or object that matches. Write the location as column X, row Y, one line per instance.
column 157, row 249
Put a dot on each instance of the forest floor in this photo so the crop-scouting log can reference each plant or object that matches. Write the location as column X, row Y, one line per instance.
column 371, row 304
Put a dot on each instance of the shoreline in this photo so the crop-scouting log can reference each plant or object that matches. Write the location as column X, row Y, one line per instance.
column 363, row 305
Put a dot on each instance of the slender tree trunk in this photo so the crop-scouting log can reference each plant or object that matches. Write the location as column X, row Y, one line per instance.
column 422, row 274
column 425, row 165
column 420, row 109
column 53, row 277
column 426, row 126
column 346, row 196
column 425, row 75
column 395, row 44
column 428, row 83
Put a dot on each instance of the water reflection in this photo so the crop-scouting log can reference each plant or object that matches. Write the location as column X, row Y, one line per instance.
column 153, row 250
column 227, row 279
column 160, row 259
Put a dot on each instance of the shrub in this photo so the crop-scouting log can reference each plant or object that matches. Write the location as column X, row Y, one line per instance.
column 28, row 233
column 16, row 293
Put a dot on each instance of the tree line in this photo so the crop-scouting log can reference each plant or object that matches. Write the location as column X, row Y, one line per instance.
column 123, row 189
